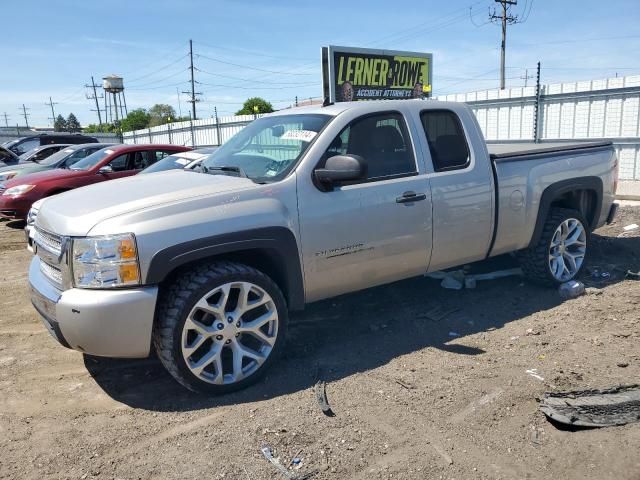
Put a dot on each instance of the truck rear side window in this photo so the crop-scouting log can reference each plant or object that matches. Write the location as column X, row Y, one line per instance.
column 447, row 142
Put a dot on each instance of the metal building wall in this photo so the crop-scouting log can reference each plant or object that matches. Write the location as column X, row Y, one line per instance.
column 607, row 109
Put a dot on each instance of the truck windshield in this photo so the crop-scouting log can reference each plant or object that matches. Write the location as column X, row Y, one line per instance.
column 268, row 148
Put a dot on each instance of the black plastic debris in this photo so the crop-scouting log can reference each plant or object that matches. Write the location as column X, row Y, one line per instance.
column 594, row 408
column 321, row 398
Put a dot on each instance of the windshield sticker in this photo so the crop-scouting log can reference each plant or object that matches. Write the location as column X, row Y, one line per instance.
column 304, row 135
column 182, row 161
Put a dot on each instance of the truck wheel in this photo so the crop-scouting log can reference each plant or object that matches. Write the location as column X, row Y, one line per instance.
column 220, row 326
column 559, row 254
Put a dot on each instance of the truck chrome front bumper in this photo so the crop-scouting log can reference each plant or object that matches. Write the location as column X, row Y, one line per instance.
column 107, row 323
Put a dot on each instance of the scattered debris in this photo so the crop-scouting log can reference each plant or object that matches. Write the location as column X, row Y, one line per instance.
column 321, row 398
column 438, row 312
column 632, row 275
column 633, row 226
column 594, row 408
column 406, row 385
column 571, row 289
column 457, row 279
column 268, row 454
column 622, row 364
column 531, row 331
column 534, row 373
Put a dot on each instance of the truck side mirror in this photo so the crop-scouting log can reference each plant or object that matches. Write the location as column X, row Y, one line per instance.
column 341, row 168
column 105, row 169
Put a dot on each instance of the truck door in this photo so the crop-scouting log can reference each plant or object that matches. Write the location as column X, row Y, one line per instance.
column 461, row 189
column 372, row 231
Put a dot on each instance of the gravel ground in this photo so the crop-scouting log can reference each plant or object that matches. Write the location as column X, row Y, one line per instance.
column 411, row 399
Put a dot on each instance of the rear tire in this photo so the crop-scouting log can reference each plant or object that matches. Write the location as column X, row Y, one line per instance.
column 220, row 327
column 559, row 254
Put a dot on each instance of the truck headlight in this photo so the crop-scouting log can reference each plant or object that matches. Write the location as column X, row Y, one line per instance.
column 105, row 262
column 18, row 190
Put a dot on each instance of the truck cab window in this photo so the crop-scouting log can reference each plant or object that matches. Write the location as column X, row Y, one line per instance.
column 382, row 141
column 447, row 142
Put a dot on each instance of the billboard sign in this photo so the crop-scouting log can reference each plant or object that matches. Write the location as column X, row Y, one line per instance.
column 354, row 74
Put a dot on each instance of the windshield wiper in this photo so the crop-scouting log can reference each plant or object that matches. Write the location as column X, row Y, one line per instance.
column 225, row 170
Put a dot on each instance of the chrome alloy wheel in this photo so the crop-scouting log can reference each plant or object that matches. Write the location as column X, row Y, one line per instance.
column 567, row 249
column 229, row 333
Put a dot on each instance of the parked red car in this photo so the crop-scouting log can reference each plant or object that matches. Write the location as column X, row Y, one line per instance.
column 17, row 195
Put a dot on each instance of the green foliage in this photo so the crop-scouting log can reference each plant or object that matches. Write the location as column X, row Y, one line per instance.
column 73, row 125
column 160, row 114
column 60, row 124
column 255, row 105
column 104, row 128
column 136, row 120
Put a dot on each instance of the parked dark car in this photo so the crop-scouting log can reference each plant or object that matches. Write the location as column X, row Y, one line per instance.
column 23, row 145
column 42, row 152
column 7, row 157
column 62, row 159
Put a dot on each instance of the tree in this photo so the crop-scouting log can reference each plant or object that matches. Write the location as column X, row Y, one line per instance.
column 136, row 120
column 104, row 128
column 255, row 105
column 60, row 124
column 160, row 114
column 73, row 125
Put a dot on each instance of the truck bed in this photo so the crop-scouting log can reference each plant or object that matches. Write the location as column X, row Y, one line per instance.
column 521, row 151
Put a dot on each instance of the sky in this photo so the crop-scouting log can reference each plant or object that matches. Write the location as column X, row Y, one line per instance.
column 271, row 49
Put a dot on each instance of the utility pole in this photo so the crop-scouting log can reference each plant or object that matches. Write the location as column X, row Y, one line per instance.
column 6, row 119
column 179, row 104
column 193, row 98
column 526, row 77
column 26, row 115
column 506, row 19
column 53, row 113
column 95, row 97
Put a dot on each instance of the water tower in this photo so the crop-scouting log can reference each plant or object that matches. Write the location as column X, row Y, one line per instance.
column 115, row 103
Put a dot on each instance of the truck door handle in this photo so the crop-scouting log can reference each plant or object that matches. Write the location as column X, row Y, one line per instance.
column 409, row 197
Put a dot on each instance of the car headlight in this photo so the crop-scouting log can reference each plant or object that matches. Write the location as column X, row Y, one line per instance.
column 18, row 190
column 105, row 262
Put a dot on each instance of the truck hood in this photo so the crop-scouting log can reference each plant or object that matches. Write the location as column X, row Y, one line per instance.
column 77, row 211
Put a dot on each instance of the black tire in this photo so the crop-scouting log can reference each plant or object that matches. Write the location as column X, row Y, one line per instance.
column 178, row 301
column 535, row 260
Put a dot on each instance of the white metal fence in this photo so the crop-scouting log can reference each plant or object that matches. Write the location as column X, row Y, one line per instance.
column 606, row 109
column 199, row 133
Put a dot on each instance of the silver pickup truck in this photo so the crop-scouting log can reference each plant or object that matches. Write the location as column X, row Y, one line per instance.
column 302, row 205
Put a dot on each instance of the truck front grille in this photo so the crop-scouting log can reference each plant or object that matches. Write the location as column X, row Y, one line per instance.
column 51, row 242
column 53, row 274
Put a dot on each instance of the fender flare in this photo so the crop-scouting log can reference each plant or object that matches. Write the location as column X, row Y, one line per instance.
column 279, row 242
column 556, row 190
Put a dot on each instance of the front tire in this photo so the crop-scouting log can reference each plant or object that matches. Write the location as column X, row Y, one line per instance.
column 220, row 327
column 560, row 252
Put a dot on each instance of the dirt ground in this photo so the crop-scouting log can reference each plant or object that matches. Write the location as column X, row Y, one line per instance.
column 411, row 399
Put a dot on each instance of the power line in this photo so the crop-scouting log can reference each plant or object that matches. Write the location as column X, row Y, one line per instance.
column 164, row 67
column 249, row 52
column 6, row 119
column 251, row 68
column 293, row 84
